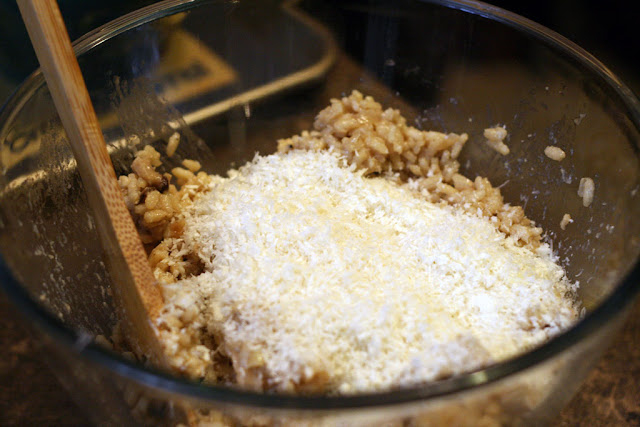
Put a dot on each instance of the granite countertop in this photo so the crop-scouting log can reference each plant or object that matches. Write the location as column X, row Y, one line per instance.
column 31, row 395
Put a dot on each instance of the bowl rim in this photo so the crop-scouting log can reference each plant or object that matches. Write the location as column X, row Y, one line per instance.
column 613, row 305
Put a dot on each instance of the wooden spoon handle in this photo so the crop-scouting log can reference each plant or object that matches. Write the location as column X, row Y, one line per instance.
column 133, row 281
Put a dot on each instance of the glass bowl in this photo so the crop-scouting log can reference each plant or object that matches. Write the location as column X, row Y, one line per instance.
column 233, row 77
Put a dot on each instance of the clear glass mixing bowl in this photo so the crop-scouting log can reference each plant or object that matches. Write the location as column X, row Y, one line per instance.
column 233, row 77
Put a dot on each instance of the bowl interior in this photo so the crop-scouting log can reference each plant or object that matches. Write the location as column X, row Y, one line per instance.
column 232, row 78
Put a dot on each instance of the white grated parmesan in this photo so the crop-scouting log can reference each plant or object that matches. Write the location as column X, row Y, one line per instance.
column 317, row 274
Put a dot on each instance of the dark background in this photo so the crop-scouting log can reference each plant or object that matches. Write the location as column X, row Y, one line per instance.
column 607, row 29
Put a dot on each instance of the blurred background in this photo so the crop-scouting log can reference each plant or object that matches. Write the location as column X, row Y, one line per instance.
column 17, row 58
column 605, row 29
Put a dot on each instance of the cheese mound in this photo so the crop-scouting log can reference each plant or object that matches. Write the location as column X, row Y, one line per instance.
column 319, row 278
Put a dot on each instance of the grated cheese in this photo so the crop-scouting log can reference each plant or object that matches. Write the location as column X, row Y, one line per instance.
column 316, row 275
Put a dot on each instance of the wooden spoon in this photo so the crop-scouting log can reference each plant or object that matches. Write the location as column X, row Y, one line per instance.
column 135, row 289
